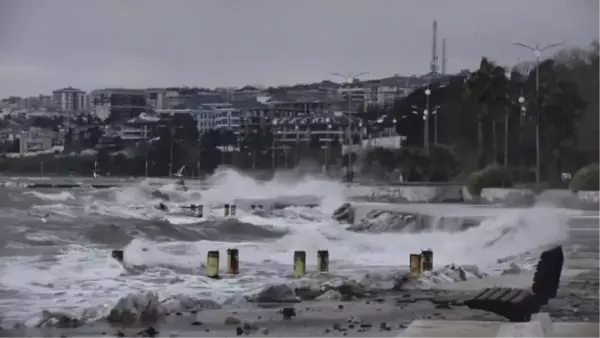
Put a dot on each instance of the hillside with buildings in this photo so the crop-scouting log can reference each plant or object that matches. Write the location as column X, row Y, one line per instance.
column 297, row 113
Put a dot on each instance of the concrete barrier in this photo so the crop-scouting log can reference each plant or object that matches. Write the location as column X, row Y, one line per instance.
column 508, row 196
column 423, row 194
column 280, row 202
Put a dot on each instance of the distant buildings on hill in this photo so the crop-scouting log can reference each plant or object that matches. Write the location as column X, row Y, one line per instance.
column 294, row 113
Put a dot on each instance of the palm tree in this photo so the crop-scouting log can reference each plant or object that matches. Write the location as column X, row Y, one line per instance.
column 484, row 90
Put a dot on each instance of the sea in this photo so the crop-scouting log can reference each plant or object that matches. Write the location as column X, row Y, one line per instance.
column 55, row 247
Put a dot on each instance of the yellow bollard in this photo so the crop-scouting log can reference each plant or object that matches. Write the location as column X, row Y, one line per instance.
column 323, row 260
column 233, row 261
column 427, row 259
column 226, row 210
column 415, row 265
column 299, row 263
column 212, row 264
column 232, row 210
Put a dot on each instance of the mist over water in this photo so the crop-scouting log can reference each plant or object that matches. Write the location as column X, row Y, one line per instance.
column 64, row 263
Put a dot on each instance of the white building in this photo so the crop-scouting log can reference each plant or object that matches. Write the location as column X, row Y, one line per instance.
column 35, row 139
column 70, row 100
column 211, row 116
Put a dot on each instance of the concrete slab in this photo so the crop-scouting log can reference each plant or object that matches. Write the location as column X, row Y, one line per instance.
column 521, row 280
column 441, row 328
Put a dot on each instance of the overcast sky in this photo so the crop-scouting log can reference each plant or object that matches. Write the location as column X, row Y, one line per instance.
column 46, row 45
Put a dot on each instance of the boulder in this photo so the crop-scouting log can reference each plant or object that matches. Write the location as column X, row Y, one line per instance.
column 330, row 295
column 348, row 288
column 58, row 319
column 385, row 221
column 136, row 308
column 277, row 293
column 160, row 195
column 344, row 214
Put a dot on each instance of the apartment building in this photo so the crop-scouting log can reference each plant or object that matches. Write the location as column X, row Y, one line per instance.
column 118, row 104
column 70, row 100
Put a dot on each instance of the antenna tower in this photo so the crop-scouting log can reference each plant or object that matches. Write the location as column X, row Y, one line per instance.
column 434, row 59
column 444, row 57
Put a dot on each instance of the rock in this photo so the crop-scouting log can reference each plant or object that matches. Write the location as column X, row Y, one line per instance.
column 196, row 323
column 249, row 327
column 238, row 331
column 135, row 308
column 278, row 293
column 58, row 319
column 181, row 302
column 149, row 332
column 512, row 269
column 307, row 293
column 330, row 295
column 376, row 221
column 348, row 288
column 288, row 313
column 160, row 195
column 344, row 214
column 232, row 321
column 264, row 331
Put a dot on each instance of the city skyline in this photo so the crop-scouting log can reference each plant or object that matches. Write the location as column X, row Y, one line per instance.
column 140, row 44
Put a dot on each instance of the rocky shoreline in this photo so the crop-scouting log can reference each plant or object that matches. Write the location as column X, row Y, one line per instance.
column 381, row 314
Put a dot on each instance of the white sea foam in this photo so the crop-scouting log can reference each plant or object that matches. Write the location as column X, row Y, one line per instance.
column 84, row 276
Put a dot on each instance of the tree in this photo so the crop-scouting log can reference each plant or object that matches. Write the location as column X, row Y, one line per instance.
column 560, row 108
column 483, row 91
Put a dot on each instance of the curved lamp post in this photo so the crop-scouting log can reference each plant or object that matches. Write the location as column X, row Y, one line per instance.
column 537, row 53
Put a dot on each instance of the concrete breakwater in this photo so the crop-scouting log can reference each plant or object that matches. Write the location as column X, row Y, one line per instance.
column 588, row 200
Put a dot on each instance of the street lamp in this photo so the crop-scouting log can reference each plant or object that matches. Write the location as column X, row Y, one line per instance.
column 327, row 145
column 273, row 133
column 349, row 78
column 537, row 52
column 426, row 118
column 394, row 121
column 297, row 131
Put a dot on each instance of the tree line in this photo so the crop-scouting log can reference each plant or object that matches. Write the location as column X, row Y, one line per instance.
column 490, row 116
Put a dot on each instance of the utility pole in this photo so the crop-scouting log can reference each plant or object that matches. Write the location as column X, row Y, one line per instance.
column 537, row 52
column 349, row 79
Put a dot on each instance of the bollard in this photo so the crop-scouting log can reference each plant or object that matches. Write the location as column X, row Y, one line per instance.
column 233, row 261
column 323, row 260
column 427, row 260
column 200, row 211
column 415, row 265
column 232, row 209
column 212, row 264
column 299, row 263
column 118, row 255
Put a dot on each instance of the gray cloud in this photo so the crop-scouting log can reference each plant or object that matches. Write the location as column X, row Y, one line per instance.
column 140, row 43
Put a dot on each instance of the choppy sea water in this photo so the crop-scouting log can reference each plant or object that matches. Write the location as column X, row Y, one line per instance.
column 56, row 244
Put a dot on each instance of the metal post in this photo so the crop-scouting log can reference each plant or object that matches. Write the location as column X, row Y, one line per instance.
column 537, row 121
column 435, row 128
column 537, row 51
column 506, row 138
column 273, row 147
column 427, row 123
column 349, row 78
column 171, row 154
